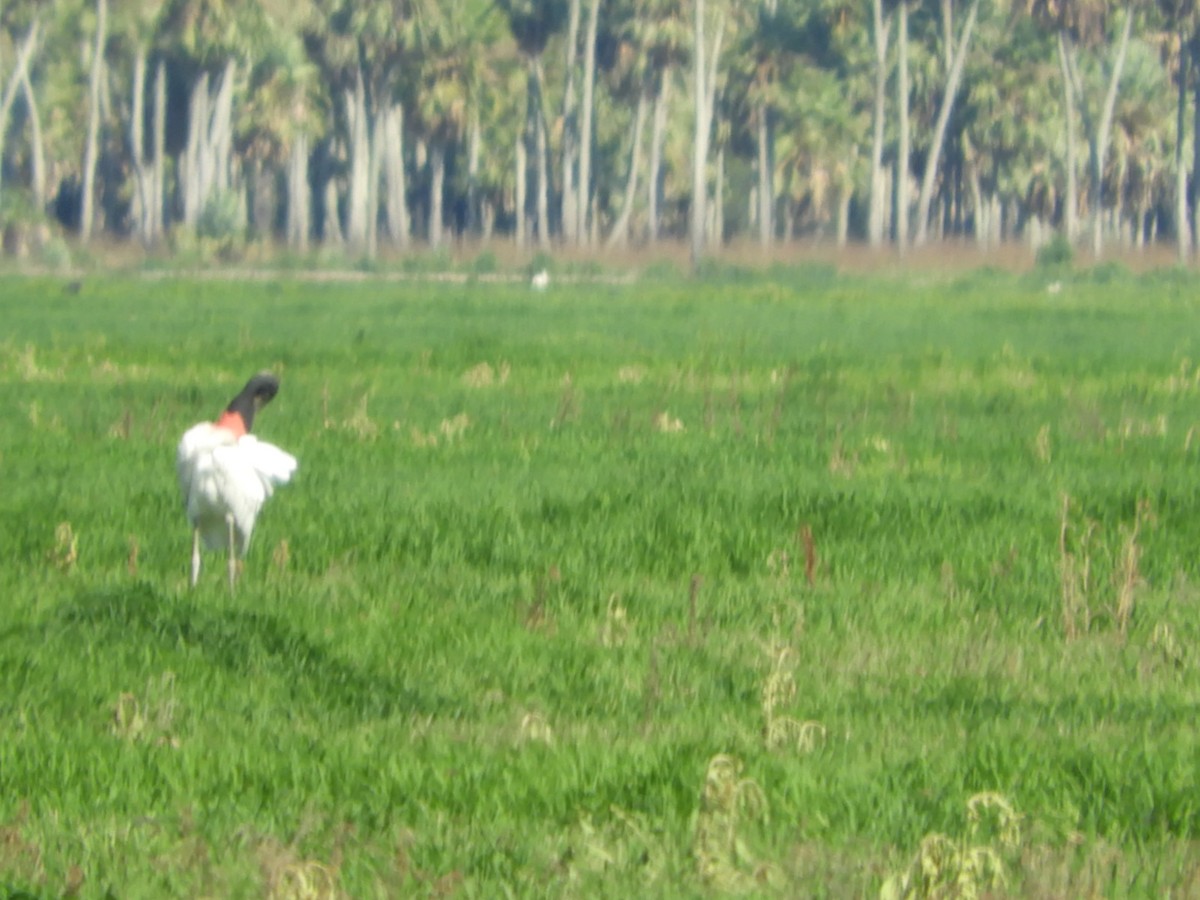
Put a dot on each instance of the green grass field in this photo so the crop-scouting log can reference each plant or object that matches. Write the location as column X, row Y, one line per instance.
column 803, row 585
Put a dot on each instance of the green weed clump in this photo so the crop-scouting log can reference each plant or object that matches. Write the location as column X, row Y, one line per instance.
column 676, row 589
column 1056, row 253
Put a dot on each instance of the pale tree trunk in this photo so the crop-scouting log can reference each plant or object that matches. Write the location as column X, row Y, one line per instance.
column 977, row 204
column 159, row 158
column 939, row 131
column 299, row 217
column 331, row 228
column 421, row 164
column 206, row 161
column 585, row 139
column 700, row 141
column 526, row 137
column 716, row 231
column 437, row 182
column 358, row 209
column 1104, row 133
column 765, row 121
column 904, row 151
column 37, row 150
column 542, row 150
column 91, row 146
column 658, row 135
column 141, row 176
column 19, row 73
column 474, row 150
column 844, row 183
column 395, row 185
column 570, row 146
column 1098, row 132
column 487, row 219
column 519, row 199
column 878, row 203
column 1195, row 188
column 766, row 175
column 195, row 155
column 594, row 222
column 221, row 131
column 1117, row 217
column 1071, row 211
column 705, row 91
column 263, row 198
column 1183, row 239
column 619, row 236
column 1035, row 232
column 374, row 170
column 843, row 215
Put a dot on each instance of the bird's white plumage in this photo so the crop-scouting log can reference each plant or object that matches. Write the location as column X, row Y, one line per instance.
column 226, row 478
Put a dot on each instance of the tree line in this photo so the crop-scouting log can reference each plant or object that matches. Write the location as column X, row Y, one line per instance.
column 364, row 124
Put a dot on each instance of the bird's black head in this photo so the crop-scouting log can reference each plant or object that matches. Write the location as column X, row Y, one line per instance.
column 258, row 392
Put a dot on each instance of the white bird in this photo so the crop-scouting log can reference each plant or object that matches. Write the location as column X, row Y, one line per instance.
column 226, row 474
column 541, row 280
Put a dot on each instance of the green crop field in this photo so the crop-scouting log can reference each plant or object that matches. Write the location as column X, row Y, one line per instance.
column 796, row 585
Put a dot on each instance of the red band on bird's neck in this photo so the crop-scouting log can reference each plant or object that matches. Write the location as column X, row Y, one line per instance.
column 232, row 421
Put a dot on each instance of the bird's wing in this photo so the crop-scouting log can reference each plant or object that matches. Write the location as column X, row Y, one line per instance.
column 272, row 465
column 247, row 474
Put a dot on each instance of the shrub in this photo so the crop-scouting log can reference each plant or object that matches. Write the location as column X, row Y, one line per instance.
column 222, row 217
column 483, row 264
column 1057, row 252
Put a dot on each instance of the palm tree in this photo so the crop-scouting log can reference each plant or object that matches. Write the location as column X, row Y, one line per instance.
column 1011, row 114
column 763, row 61
column 364, row 52
column 496, row 130
column 629, row 84
column 533, row 23
column 93, row 125
column 1085, row 23
column 132, row 29
column 949, row 91
column 212, row 45
column 583, row 188
column 23, row 25
column 1182, row 46
column 664, row 35
column 880, row 30
column 280, row 118
column 704, row 76
column 1136, row 178
column 438, row 91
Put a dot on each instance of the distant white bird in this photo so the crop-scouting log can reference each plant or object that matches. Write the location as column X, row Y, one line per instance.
column 541, row 280
column 226, row 474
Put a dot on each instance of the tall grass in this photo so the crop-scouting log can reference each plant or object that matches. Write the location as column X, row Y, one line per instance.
column 654, row 589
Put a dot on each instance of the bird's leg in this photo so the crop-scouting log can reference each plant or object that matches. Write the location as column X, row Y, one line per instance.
column 195, row 556
column 232, row 554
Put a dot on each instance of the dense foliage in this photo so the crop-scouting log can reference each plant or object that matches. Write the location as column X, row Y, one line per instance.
column 368, row 124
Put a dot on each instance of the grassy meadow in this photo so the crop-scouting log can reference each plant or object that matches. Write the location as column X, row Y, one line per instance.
column 796, row 585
